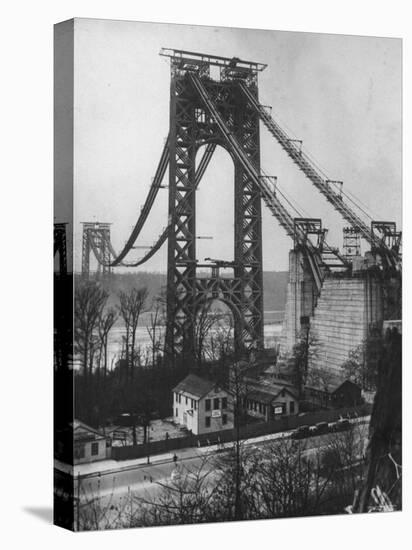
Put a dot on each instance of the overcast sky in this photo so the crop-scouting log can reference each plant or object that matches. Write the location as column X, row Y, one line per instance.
column 340, row 94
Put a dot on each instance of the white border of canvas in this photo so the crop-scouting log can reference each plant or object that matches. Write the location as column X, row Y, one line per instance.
column 26, row 402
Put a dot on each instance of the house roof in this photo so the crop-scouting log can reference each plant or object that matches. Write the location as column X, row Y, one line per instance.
column 271, row 369
column 83, row 432
column 268, row 394
column 345, row 383
column 194, row 385
column 333, row 386
column 271, row 387
column 261, row 396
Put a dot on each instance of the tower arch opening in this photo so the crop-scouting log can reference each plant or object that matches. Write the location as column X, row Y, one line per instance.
column 214, row 208
column 214, row 330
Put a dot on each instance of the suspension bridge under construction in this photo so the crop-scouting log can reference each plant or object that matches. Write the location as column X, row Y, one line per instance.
column 340, row 294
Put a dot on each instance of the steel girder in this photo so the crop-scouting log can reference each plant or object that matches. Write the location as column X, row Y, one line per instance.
column 190, row 127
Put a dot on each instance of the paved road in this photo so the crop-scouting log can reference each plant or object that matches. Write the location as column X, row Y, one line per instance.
column 143, row 479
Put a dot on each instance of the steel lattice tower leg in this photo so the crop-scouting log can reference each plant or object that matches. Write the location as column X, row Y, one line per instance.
column 181, row 272
column 85, row 253
column 248, row 231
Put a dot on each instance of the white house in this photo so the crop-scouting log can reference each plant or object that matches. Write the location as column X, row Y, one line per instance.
column 201, row 406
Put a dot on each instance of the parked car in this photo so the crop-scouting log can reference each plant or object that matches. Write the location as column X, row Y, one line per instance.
column 300, row 433
column 321, row 428
column 342, row 425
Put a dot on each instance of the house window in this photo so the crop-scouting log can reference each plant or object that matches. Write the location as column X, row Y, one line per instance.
column 207, row 405
column 207, row 421
column 224, row 419
column 283, row 393
column 224, row 402
column 292, row 407
column 180, row 398
column 177, row 414
column 187, row 400
column 95, row 449
column 216, row 403
column 195, row 404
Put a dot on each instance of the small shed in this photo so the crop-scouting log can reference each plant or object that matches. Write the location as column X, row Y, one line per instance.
column 346, row 394
column 269, row 401
column 89, row 444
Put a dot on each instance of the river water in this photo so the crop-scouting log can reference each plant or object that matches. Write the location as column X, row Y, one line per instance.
column 116, row 340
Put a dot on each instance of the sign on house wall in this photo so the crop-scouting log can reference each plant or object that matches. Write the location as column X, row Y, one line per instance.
column 216, row 413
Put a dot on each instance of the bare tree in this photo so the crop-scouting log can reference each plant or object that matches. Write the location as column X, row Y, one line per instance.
column 383, row 471
column 221, row 341
column 235, row 496
column 278, row 478
column 90, row 299
column 362, row 363
column 185, row 499
column 238, row 390
column 343, row 461
column 204, row 323
column 353, row 366
column 288, row 481
column 131, row 306
column 157, row 321
column 213, row 334
column 106, row 321
column 94, row 511
column 319, row 377
column 304, row 355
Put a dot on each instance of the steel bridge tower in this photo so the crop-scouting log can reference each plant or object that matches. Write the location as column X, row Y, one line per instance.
column 191, row 126
column 96, row 239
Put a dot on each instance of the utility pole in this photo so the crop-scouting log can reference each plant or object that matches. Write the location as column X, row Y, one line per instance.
column 148, row 443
